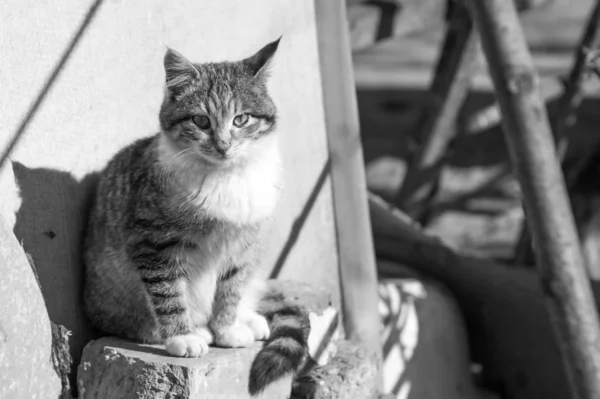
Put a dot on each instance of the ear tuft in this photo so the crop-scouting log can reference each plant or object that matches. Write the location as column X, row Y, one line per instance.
column 259, row 62
column 178, row 70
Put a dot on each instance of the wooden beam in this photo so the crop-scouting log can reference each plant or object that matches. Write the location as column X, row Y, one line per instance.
column 437, row 128
column 358, row 272
column 529, row 139
column 565, row 116
column 373, row 21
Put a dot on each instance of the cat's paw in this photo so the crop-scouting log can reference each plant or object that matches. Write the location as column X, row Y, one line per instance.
column 188, row 345
column 259, row 326
column 205, row 333
column 237, row 335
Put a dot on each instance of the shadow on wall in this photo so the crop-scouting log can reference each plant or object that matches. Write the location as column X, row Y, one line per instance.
column 50, row 225
column 50, row 221
column 41, row 97
column 301, row 219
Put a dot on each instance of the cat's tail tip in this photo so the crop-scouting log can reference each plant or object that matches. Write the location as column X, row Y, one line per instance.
column 275, row 366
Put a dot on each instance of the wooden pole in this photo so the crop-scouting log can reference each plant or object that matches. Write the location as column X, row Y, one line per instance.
column 565, row 115
column 358, row 274
column 437, row 128
column 529, row 139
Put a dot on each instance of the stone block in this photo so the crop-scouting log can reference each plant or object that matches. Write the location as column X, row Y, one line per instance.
column 25, row 334
column 351, row 374
column 115, row 368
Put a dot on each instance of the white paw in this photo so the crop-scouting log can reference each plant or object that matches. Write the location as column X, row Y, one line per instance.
column 205, row 333
column 259, row 326
column 189, row 345
column 238, row 335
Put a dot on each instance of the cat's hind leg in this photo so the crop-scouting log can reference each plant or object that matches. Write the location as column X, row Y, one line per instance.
column 205, row 333
column 247, row 313
column 257, row 323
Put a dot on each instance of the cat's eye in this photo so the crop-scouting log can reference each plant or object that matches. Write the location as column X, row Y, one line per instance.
column 240, row 120
column 202, row 121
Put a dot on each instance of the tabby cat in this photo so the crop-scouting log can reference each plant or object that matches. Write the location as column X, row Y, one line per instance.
column 172, row 246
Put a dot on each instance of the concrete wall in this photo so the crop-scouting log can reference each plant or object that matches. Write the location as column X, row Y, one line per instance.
column 108, row 93
column 26, row 369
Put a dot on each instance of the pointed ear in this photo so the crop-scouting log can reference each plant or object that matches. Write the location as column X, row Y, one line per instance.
column 178, row 70
column 260, row 61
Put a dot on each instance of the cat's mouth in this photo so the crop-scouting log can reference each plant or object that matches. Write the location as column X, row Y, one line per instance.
column 219, row 159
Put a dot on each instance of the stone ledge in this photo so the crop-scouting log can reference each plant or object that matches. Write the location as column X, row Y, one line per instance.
column 351, row 374
column 313, row 297
column 115, row 368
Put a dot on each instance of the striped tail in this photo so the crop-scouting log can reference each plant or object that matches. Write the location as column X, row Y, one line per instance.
column 285, row 352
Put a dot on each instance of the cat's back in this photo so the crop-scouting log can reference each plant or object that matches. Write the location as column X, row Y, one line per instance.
column 119, row 180
column 109, row 278
column 114, row 195
column 126, row 169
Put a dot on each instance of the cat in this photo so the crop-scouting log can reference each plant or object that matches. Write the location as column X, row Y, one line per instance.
column 172, row 246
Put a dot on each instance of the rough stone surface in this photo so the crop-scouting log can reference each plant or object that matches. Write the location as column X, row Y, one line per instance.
column 312, row 296
column 25, row 336
column 351, row 374
column 114, row 368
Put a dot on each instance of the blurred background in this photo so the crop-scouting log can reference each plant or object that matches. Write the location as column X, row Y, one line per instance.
column 434, row 148
column 396, row 45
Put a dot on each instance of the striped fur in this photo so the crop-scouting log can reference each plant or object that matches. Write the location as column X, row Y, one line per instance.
column 173, row 239
column 286, row 351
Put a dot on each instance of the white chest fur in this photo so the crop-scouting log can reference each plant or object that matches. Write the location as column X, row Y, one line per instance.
column 243, row 193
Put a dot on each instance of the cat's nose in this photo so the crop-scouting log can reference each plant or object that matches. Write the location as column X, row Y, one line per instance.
column 222, row 146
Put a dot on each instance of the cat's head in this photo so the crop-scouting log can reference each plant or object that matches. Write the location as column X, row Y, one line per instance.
column 218, row 113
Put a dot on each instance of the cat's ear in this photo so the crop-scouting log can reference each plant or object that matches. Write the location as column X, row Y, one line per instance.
column 259, row 62
column 178, row 70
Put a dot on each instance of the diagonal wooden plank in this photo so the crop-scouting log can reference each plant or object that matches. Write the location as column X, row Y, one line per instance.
column 529, row 138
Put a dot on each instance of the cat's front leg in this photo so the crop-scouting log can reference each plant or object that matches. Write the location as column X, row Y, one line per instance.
column 229, row 329
column 165, row 284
